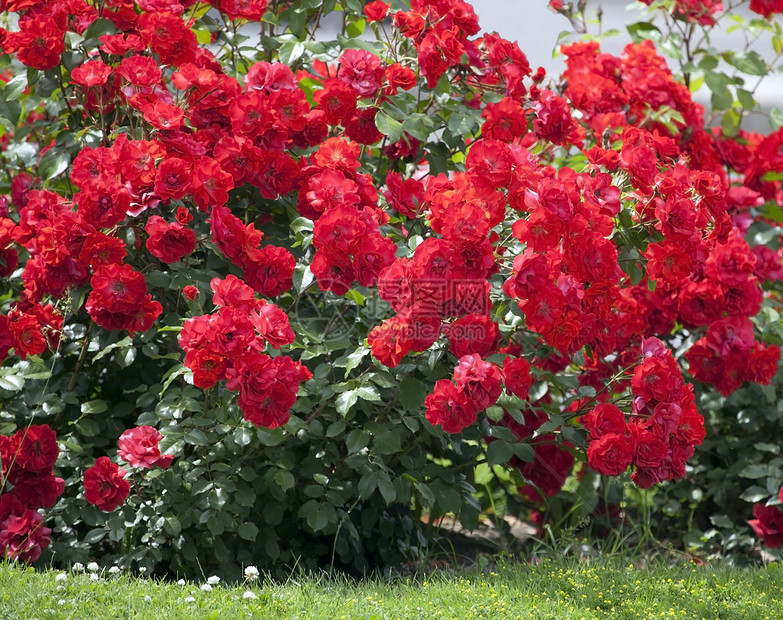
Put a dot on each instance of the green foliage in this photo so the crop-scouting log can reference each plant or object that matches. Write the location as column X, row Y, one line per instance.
column 595, row 589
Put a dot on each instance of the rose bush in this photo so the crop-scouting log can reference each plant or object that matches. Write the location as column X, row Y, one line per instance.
column 303, row 288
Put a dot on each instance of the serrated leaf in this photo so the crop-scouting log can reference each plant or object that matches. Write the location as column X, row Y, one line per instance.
column 11, row 383
column 196, row 437
column 125, row 342
column 94, row 406
column 354, row 359
column 386, row 488
column 15, row 87
column 748, row 62
column 499, row 452
column 243, row 436
column 95, row 535
column 369, row 392
column 387, row 442
column 284, row 479
column 754, row 470
column 53, row 163
column 367, row 485
column 754, row 494
column 356, row 441
column 388, row 126
column 346, row 400
column 495, row 413
column 248, row 530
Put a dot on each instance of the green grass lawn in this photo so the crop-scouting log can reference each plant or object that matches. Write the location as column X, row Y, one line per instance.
column 598, row 589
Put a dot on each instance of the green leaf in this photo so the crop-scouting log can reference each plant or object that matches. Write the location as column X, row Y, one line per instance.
column 316, row 514
column 754, row 470
column 11, row 383
column 722, row 521
column 88, row 427
column 767, row 447
column 243, row 435
column 412, row 393
column 284, row 479
column 354, row 359
column 357, row 441
column 346, row 400
column 643, row 30
column 247, row 530
column 125, row 342
column 302, row 224
column 746, row 99
column 172, row 525
column 15, row 87
column 369, row 392
column 754, row 494
column 367, row 485
column 388, row 126
column 94, row 406
column 302, row 278
column 748, row 62
column 97, row 29
column 495, row 413
column 356, row 27
column 386, row 488
column 95, row 535
column 499, row 452
column 776, row 118
column 53, row 163
column 355, row 296
column 730, row 122
column 387, row 442
column 718, row 84
column 196, row 437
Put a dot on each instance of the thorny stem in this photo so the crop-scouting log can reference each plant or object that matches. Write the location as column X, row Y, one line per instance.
column 82, row 357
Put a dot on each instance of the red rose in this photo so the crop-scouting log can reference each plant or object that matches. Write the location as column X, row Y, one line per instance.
column 191, row 292
column 138, row 447
column 376, row 11
column 766, row 7
column 105, row 485
column 91, row 73
column 516, row 376
column 604, row 419
column 169, row 242
column 479, row 380
column 36, row 490
column 610, row 455
column 390, row 341
column 449, row 407
column 37, row 448
column 22, row 536
column 768, row 525
column 474, row 333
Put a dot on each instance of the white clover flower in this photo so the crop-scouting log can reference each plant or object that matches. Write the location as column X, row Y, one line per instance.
column 190, row 599
column 93, row 567
column 114, row 570
column 206, row 587
column 181, row 582
column 61, row 602
column 213, row 580
column 142, row 569
column 78, row 567
column 147, row 598
column 249, row 595
column 251, row 573
column 94, row 577
column 60, row 577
